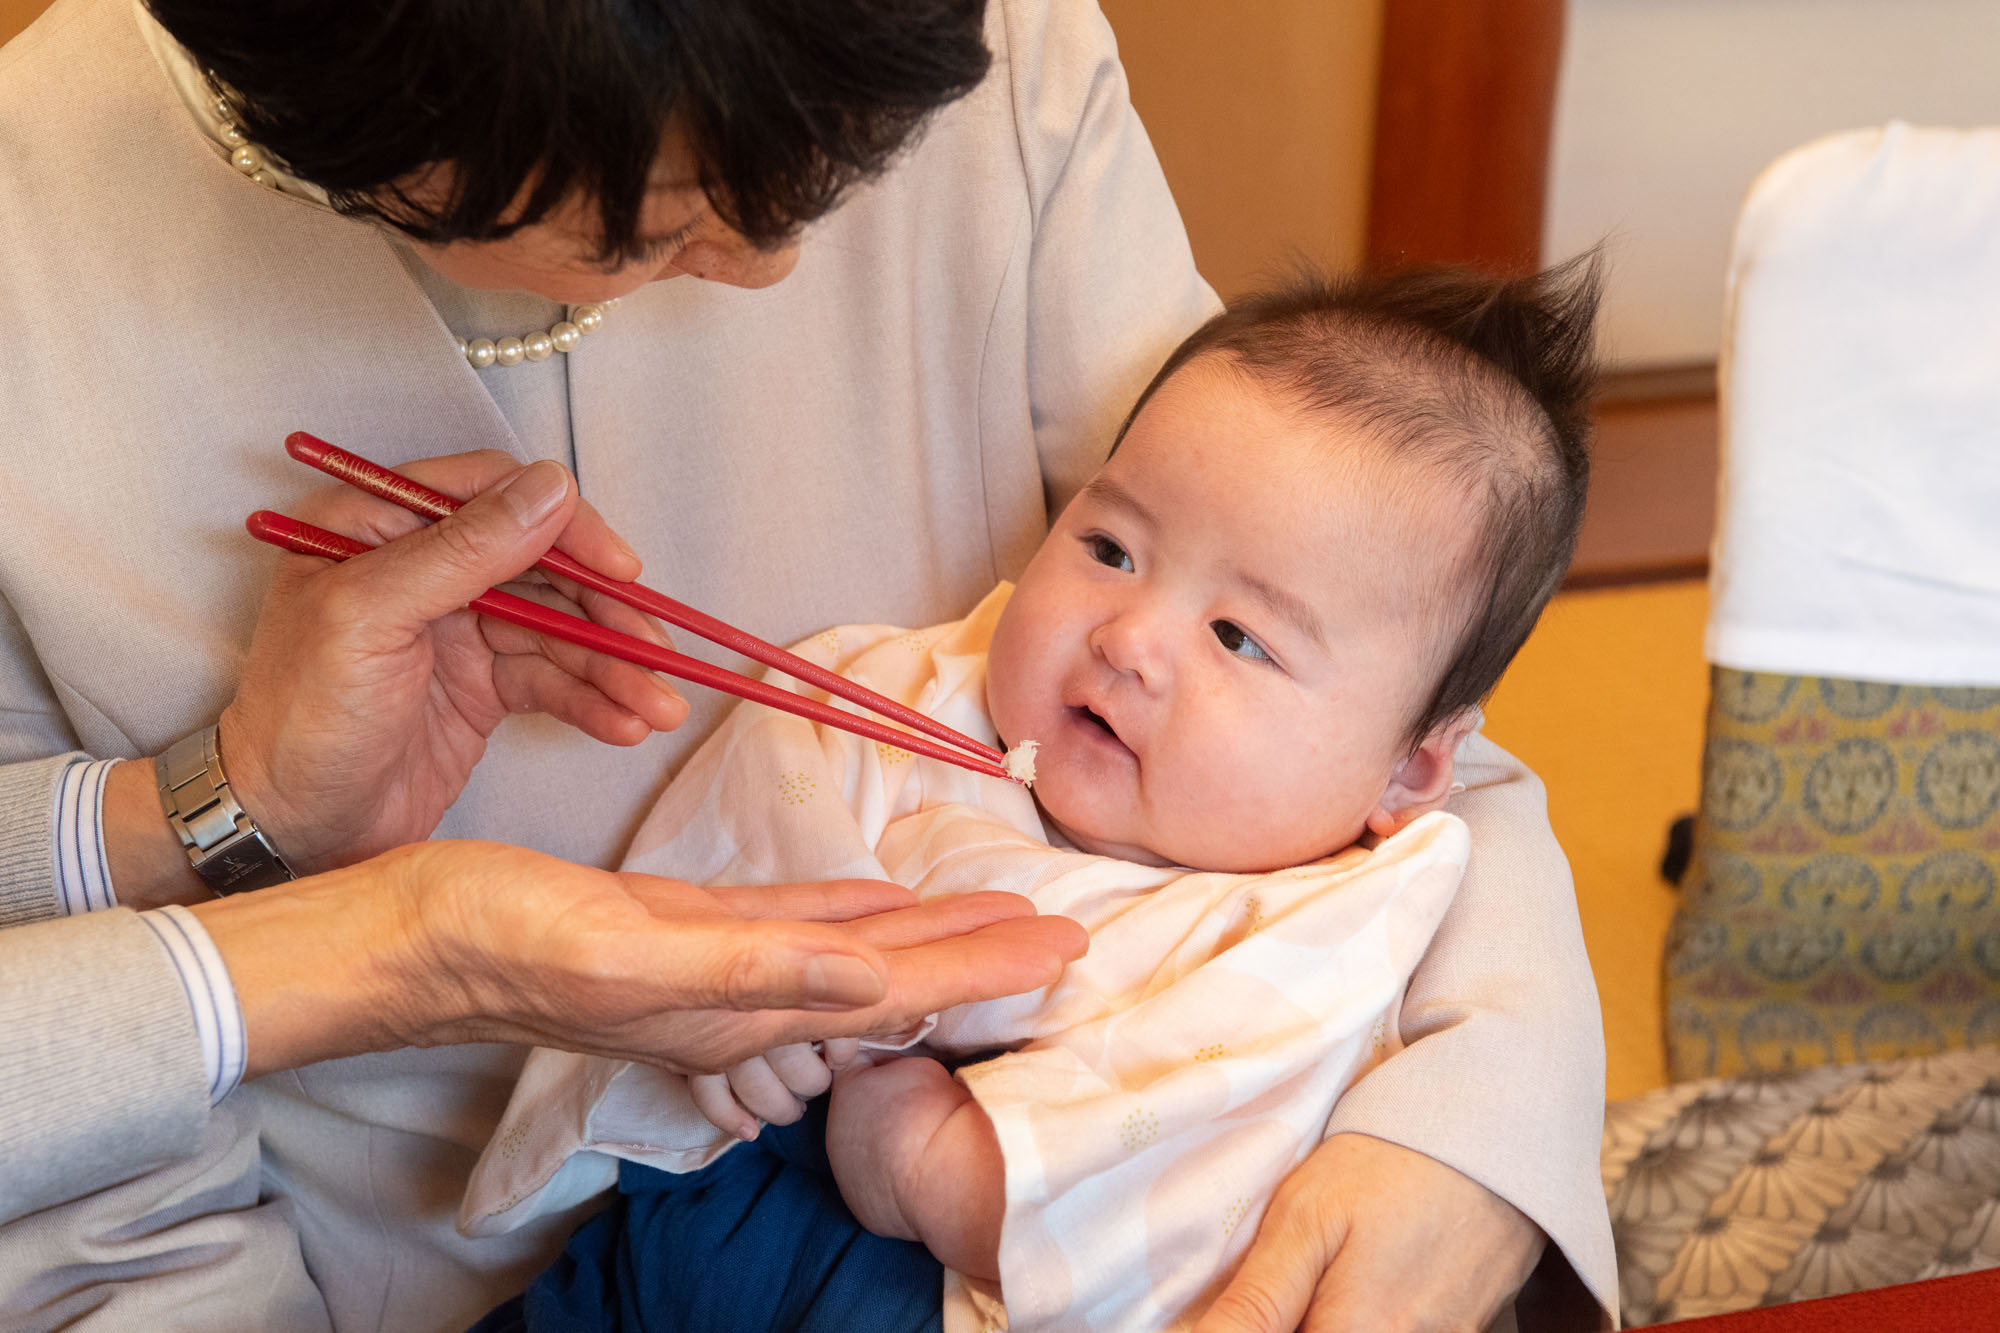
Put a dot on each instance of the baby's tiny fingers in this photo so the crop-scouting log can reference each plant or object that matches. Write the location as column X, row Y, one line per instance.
column 762, row 1093
column 840, row 1052
column 800, row 1068
column 713, row 1099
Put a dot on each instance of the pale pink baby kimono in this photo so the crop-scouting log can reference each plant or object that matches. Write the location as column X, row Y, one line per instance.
column 1147, row 1105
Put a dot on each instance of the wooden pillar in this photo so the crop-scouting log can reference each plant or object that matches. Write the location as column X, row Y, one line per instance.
column 18, row 14
column 1464, row 110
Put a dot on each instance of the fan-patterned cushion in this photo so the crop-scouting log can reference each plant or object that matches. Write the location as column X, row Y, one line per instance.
column 1781, row 1187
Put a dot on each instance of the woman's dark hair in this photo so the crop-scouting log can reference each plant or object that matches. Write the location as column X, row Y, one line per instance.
column 785, row 102
column 1485, row 380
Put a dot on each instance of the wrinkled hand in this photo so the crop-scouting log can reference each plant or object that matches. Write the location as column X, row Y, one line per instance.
column 774, row 1086
column 527, row 948
column 1367, row 1235
column 442, row 942
column 369, row 691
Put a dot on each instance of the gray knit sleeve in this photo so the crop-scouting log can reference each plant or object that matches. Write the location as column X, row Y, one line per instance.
column 101, row 1074
column 27, row 839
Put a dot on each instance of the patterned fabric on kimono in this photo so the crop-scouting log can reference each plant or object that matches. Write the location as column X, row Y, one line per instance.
column 1147, row 1104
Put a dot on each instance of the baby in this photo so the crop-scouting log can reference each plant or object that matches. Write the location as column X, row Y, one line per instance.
column 1249, row 650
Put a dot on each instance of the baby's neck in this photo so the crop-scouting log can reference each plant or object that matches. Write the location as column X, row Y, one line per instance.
column 1144, row 856
column 1064, row 838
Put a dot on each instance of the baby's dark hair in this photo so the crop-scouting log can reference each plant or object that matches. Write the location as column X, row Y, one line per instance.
column 1485, row 380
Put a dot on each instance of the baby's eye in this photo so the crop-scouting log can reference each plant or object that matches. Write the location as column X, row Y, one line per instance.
column 1234, row 640
column 1107, row 552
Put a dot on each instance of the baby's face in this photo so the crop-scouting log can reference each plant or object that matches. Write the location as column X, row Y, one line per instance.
column 1222, row 643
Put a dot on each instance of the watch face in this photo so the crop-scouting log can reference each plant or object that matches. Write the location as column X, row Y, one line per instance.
column 233, row 868
column 248, row 862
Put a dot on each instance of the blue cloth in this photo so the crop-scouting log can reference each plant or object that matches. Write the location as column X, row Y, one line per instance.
column 758, row 1241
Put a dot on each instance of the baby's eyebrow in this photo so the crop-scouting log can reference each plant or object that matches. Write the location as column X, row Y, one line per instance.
column 1108, row 492
column 1285, row 605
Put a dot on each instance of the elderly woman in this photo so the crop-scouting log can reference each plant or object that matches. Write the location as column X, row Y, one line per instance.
column 407, row 228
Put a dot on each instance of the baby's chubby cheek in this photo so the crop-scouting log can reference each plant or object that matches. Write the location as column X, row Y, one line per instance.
column 1017, row 720
column 1237, row 801
column 1001, row 706
column 1012, row 681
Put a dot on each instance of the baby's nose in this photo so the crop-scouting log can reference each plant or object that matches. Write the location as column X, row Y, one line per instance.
column 1132, row 644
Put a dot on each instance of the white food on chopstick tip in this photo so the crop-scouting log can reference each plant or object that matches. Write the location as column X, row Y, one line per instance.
column 1019, row 762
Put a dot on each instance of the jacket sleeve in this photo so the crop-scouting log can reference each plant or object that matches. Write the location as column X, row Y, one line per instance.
column 1502, row 1077
column 34, row 737
column 1112, row 286
column 101, row 1077
column 27, row 839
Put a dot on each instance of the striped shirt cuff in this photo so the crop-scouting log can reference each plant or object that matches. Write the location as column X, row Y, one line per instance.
column 82, row 883
column 218, row 1018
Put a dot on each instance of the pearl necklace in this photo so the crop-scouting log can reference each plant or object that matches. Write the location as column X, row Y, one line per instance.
column 565, row 336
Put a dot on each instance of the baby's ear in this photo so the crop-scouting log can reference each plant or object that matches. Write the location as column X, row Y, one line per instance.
column 1422, row 780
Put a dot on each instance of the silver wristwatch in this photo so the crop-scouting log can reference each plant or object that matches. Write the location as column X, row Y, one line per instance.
column 224, row 844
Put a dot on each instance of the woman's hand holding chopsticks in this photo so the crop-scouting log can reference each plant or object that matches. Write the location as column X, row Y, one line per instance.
column 915, row 731
column 369, row 691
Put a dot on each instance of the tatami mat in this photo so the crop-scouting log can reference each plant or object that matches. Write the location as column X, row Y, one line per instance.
column 1606, row 703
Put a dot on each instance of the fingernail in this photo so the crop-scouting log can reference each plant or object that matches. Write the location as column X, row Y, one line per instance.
column 626, row 547
column 838, row 981
column 747, row 1132
column 535, row 490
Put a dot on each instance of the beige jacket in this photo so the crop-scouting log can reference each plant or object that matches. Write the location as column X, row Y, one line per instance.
column 878, row 438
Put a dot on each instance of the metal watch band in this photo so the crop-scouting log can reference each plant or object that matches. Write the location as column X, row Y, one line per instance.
column 224, row 845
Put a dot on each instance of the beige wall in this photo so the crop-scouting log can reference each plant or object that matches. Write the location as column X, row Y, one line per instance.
column 1667, row 111
column 1263, row 112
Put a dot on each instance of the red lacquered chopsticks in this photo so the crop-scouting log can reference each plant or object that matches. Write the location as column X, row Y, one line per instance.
column 398, row 489
column 305, row 539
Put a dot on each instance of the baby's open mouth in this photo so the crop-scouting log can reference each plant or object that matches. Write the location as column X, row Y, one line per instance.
column 1090, row 719
column 1091, row 716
